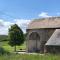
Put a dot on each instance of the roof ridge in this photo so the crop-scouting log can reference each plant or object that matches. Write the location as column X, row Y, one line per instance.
column 49, row 18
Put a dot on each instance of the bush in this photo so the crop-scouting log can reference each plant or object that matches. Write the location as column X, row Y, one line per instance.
column 2, row 51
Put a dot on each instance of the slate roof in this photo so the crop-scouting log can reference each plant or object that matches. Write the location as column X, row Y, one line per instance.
column 51, row 22
column 54, row 39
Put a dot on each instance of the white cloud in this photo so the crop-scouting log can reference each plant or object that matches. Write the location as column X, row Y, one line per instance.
column 44, row 14
column 22, row 23
column 4, row 25
column 4, row 31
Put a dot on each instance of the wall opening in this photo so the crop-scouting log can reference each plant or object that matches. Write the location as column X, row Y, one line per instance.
column 34, row 36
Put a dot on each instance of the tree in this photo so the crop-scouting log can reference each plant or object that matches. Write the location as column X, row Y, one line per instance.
column 16, row 36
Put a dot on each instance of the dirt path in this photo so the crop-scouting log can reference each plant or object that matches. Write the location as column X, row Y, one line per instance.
column 29, row 53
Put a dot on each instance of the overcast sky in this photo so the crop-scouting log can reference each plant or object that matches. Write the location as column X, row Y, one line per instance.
column 22, row 12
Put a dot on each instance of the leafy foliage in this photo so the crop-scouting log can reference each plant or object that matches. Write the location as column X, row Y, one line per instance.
column 16, row 36
column 2, row 51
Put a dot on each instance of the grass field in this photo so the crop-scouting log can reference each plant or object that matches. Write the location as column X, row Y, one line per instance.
column 29, row 57
column 7, row 47
column 13, row 56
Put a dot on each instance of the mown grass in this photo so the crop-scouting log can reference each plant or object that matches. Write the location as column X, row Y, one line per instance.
column 29, row 57
column 7, row 47
column 14, row 56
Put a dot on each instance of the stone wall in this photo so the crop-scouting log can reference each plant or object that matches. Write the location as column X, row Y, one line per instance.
column 44, row 34
column 52, row 49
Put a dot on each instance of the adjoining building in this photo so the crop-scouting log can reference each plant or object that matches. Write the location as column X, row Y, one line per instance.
column 43, row 35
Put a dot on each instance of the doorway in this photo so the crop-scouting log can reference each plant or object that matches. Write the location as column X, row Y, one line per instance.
column 35, row 38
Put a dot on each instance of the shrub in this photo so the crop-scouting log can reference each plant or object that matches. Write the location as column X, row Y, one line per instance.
column 2, row 51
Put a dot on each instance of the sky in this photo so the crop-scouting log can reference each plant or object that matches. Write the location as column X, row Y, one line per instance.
column 22, row 12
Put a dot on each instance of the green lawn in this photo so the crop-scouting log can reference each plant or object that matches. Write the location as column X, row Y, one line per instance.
column 14, row 56
column 7, row 47
column 29, row 57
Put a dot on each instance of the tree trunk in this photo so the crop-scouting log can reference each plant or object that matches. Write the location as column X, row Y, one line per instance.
column 15, row 48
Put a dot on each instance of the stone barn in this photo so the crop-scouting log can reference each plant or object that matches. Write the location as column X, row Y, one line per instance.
column 43, row 35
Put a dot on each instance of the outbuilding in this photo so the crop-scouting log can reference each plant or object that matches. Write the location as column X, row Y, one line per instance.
column 43, row 33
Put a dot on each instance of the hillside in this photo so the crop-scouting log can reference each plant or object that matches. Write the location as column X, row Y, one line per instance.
column 3, row 37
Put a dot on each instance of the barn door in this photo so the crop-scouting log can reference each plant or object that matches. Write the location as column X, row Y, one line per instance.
column 35, row 45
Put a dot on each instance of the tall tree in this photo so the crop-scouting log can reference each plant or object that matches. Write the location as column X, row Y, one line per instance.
column 16, row 36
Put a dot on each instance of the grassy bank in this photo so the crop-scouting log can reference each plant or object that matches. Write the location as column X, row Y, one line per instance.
column 29, row 57
column 7, row 47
